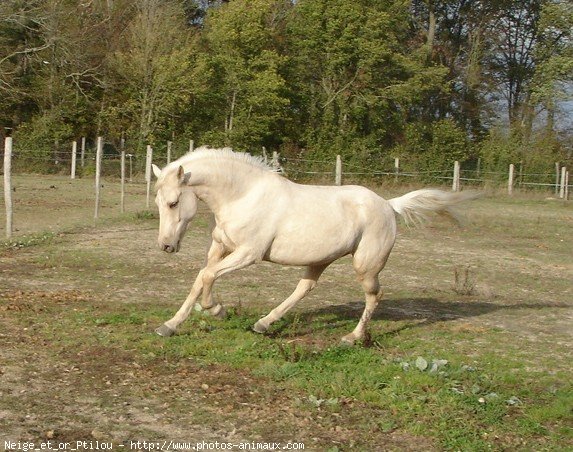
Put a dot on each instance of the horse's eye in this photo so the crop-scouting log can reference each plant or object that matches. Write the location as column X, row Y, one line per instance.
column 172, row 205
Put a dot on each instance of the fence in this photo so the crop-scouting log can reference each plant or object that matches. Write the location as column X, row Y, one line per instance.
column 337, row 171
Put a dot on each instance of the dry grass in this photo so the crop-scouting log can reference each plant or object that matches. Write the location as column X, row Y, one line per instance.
column 78, row 307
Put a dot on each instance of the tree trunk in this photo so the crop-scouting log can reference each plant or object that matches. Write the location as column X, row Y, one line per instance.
column 229, row 125
column 431, row 30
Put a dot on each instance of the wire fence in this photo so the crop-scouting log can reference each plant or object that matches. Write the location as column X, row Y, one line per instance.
column 136, row 168
column 308, row 169
column 296, row 168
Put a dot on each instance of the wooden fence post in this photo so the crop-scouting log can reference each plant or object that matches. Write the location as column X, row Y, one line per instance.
column 83, row 154
column 556, row 178
column 265, row 156
column 74, row 152
column 122, row 202
column 191, row 145
column 338, row 175
column 566, row 194
column 562, row 188
column 510, row 179
column 8, row 185
column 169, row 144
column 148, row 160
column 99, row 152
column 130, row 156
column 456, row 181
column 396, row 168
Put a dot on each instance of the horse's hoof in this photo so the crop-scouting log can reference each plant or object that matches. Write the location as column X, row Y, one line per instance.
column 165, row 331
column 218, row 311
column 348, row 341
column 260, row 327
column 222, row 314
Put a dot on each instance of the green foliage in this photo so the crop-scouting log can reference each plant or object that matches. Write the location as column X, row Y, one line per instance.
column 239, row 79
column 364, row 79
column 152, row 67
column 38, row 141
column 537, row 155
column 435, row 147
column 554, row 53
column 357, row 79
column 498, row 151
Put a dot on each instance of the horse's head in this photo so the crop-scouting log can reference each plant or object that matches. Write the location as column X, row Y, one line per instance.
column 177, row 205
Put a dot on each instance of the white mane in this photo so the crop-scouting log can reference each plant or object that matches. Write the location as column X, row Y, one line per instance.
column 222, row 155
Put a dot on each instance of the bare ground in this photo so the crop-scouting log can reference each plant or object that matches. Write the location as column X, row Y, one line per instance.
column 82, row 389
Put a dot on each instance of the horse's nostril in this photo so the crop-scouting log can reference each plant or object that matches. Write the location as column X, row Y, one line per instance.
column 168, row 248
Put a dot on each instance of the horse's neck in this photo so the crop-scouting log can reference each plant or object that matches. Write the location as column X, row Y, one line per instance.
column 218, row 185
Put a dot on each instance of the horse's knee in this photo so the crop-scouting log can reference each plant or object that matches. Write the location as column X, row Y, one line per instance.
column 208, row 277
column 370, row 285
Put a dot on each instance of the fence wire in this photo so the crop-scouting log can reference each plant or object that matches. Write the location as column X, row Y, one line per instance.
column 298, row 169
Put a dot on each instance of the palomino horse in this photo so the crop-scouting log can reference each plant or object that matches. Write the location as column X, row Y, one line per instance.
column 261, row 215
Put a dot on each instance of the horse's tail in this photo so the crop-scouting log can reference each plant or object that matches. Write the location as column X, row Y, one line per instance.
column 417, row 206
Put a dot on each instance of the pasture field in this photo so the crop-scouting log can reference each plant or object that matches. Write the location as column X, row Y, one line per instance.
column 470, row 349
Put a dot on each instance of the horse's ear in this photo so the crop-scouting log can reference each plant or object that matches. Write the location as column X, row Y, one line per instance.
column 182, row 176
column 156, row 170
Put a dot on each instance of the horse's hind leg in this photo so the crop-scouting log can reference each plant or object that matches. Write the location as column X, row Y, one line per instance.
column 373, row 296
column 368, row 262
column 305, row 285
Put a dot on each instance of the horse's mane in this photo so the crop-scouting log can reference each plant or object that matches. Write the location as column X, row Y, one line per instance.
column 224, row 155
column 226, row 159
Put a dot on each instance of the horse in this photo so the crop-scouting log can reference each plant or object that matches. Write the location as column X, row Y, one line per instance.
column 260, row 215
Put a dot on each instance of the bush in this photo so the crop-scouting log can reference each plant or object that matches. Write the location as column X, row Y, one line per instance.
column 536, row 155
column 39, row 144
column 434, row 147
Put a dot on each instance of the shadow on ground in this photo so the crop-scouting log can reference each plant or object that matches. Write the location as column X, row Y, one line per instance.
column 418, row 312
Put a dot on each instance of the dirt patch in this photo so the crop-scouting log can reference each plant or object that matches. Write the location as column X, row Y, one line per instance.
column 78, row 385
column 70, row 390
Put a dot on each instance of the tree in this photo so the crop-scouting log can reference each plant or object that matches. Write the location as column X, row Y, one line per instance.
column 53, row 70
column 554, row 59
column 511, row 58
column 455, row 35
column 239, row 76
column 20, row 45
column 151, row 70
column 358, row 79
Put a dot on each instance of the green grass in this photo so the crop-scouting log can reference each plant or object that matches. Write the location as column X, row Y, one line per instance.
column 507, row 381
column 27, row 241
column 469, row 403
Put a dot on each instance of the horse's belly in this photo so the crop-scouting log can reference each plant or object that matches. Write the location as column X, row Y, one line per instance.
column 309, row 250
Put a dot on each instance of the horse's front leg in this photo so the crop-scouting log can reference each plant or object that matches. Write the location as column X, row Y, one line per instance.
column 240, row 258
column 215, row 254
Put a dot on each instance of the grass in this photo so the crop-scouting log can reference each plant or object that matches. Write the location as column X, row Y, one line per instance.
column 496, row 345
column 27, row 240
column 475, row 402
